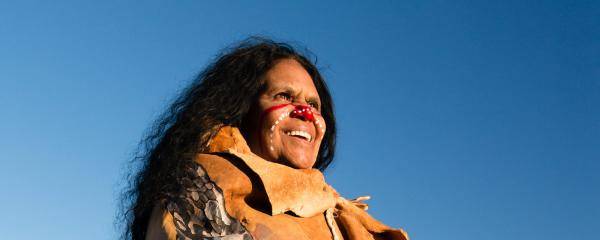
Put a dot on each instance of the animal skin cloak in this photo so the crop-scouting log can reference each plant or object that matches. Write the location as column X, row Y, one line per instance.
column 231, row 193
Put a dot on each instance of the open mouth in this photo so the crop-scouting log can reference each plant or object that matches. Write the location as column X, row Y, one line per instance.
column 300, row 134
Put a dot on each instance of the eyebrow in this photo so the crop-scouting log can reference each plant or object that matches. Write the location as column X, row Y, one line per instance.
column 279, row 88
column 291, row 90
column 286, row 88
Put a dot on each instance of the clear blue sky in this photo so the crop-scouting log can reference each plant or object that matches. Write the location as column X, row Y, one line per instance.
column 463, row 119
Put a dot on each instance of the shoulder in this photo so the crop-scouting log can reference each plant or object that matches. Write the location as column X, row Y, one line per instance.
column 197, row 212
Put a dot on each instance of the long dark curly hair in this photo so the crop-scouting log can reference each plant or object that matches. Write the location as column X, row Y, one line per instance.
column 221, row 95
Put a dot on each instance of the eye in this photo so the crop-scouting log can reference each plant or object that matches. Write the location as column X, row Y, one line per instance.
column 314, row 105
column 284, row 95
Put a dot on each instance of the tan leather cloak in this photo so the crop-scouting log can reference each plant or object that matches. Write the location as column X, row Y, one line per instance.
column 268, row 200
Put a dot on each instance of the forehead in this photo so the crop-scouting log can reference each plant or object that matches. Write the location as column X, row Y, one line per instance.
column 288, row 73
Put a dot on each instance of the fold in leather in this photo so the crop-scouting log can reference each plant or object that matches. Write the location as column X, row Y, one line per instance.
column 303, row 191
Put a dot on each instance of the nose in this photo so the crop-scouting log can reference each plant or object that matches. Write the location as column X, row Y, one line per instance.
column 303, row 112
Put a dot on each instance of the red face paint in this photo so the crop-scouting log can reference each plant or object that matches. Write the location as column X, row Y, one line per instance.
column 273, row 108
column 303, row 112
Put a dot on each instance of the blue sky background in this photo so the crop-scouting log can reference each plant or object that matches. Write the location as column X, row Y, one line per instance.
column 463, row 119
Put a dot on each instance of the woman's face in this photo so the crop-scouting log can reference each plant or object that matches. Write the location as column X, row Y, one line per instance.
column 285, row 125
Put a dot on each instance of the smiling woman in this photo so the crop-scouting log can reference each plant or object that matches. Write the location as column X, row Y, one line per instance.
column 239, row 155
column 285, row 125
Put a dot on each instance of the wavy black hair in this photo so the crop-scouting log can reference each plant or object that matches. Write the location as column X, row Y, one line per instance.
column 221, row 95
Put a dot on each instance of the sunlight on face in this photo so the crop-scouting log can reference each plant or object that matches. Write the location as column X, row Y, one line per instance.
column 287, row 126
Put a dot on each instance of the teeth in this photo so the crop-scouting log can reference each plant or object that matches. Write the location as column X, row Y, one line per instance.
column 301, row 134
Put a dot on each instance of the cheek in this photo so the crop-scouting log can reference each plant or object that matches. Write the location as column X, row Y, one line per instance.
column 271, row 117
column 270, row 110
column 320, row 127
column 276, row 119
column 271, row 121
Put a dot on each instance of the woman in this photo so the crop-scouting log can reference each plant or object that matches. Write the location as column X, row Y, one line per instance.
column 239, row 156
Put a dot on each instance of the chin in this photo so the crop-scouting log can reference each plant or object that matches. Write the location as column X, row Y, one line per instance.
column 301, row 163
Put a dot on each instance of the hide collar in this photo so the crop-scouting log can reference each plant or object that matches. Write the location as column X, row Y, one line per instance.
column 301, row 191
